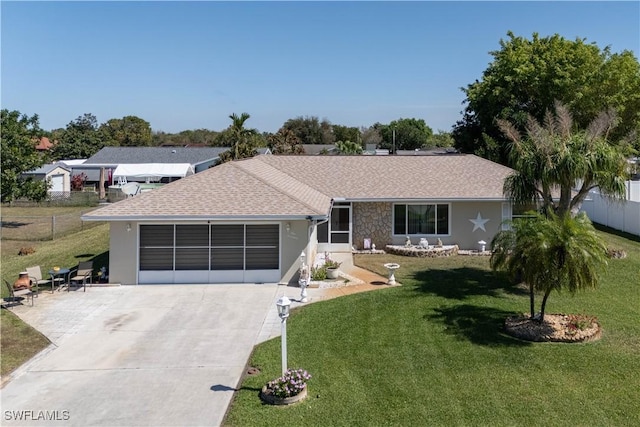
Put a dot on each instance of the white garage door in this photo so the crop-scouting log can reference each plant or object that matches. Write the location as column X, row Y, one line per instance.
column 57, row 183
column 203, row 253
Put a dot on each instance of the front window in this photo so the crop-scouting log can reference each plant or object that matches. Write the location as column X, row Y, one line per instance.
column 421, row 219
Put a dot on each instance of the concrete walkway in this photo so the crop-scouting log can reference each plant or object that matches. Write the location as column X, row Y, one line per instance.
column 146, row 355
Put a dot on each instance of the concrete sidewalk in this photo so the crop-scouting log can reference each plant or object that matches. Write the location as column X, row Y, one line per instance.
column 147, row 355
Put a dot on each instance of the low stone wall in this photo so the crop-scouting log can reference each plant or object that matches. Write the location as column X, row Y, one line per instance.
column 417, row 251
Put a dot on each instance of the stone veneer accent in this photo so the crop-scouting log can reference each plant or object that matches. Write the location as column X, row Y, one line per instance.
column 372, row 220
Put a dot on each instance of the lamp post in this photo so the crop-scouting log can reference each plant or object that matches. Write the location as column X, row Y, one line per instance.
column 304, row 278
column 283, row 305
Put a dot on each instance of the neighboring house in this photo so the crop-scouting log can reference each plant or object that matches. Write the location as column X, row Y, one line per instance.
column 57, row 175
column 249, row 220
column 316, row 149
column 148, row 161
column 44, row 144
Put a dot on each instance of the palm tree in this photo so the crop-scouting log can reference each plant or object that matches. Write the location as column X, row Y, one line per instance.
column 550, row 253
column 555, row 158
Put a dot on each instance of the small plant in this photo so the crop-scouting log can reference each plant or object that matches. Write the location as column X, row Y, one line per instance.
column 77, row 181
column 329, row 263
column 318, row 273
column 290, row 384
column 580, row 323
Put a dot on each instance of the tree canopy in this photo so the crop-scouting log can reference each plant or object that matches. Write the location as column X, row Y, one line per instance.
column 556, row 158
column 80, row 139
column 310, row 130
column 243, row 141
column 19, row 137
column 410, row 134
column 129, row 131
column 526, row 76
column 550, row 253
column 285, row 142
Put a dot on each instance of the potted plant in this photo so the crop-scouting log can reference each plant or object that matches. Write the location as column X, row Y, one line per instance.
column 331, row 266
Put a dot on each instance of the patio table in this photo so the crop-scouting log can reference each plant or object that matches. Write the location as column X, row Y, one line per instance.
column 59, row 273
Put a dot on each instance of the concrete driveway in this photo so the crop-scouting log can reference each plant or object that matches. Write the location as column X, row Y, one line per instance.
column 148, row 355
column 140, row 355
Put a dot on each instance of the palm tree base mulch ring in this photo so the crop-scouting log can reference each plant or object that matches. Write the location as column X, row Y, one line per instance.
column 268, row 397
column 555, row 328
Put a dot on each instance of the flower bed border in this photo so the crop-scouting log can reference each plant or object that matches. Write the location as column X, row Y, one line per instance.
column 267, row 396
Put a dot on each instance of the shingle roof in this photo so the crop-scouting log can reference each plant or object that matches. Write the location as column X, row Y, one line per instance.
column 45, row 169
column 298, row 186
column 124, row 155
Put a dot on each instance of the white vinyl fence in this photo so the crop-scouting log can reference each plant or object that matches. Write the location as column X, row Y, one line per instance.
column 622, row 215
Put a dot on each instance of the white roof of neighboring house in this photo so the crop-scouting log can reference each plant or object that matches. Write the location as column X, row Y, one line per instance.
column 159, row 170
column 301, row 186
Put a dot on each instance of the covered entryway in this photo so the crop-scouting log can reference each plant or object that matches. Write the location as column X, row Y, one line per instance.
column 209, row 253
column 335, row 235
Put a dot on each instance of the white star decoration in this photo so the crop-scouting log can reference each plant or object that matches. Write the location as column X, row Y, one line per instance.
column 478, row 222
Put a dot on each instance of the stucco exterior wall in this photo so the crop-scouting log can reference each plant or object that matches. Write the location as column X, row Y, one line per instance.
column 375, row 220
column 293, row 242
column 123, row 253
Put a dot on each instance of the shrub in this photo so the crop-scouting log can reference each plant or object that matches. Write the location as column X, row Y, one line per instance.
column 318, row 273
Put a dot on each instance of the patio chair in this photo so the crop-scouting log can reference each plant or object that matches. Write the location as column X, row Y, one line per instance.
column 80, row 275
column 35, row 275
column 15, row 294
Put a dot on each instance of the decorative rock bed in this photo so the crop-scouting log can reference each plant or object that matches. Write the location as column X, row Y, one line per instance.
column 555, row 328
column 419, row 251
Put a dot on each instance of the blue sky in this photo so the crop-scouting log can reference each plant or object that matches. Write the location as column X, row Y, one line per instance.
column 188, row 65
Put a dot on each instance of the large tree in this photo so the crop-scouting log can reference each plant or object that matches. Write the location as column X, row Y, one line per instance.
column 550, row 253
column 80, row 139
column 285, row 142
column 526, row 76
column 404, row 134
column 129, row 131
column 310, row 130
column 554, row 158
column 18, row 140
column 243, row 141
column 345, row 133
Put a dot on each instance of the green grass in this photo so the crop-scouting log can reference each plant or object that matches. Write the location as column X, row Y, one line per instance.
column 67, row 251
column 19, row 341
column 432, row 352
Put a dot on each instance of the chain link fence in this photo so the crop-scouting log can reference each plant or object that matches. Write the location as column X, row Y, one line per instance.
column 34, row 228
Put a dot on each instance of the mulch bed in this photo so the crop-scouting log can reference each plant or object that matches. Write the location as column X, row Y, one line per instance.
column 555, row 328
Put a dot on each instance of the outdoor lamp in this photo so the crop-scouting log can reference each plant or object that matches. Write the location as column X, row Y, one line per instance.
column 283, row 305
column 482, row 244
column 303, row 256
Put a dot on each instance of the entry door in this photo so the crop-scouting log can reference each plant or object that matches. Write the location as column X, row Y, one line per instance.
column 335, row 235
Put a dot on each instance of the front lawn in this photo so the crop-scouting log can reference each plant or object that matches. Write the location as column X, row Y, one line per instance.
column 431, row 352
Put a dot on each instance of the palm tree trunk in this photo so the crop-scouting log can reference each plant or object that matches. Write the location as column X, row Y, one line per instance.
column 532, row 305
column 544, row 304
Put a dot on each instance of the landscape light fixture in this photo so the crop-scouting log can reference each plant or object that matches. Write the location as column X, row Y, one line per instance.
column 283, row 305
